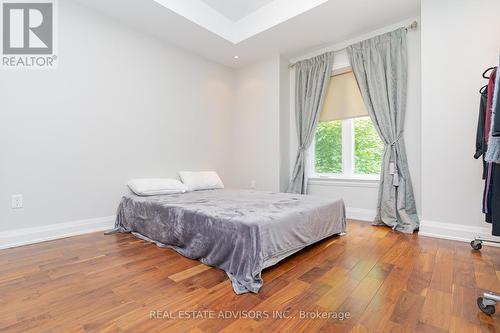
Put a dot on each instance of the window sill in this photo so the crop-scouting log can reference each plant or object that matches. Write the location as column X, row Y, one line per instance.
column 345, row 181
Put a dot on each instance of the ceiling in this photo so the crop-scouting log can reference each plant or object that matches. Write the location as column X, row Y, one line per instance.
column 236, row 9
column 255, row 20
column 289, row 27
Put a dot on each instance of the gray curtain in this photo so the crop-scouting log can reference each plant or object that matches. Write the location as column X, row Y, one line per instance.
column 311, row 80
column 380, row 65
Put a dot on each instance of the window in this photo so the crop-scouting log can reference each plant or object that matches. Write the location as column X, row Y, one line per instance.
column 346, row 143
column 350, row 148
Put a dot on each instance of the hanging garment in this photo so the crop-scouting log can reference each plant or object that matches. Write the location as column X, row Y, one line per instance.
column 494, row 209
column 495, row 109
column 481, row 149
column 493, row 142
column 489, row 102
column 481, row 146
column 488, row 189
column 481, row 126
column 495, row 181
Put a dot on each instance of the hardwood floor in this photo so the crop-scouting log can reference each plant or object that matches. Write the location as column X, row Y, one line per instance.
column 384, row 281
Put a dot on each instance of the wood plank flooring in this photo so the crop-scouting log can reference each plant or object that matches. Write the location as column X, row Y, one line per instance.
column 382, row 281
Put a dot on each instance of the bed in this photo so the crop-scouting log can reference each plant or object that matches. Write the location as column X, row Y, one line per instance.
column 241, row 232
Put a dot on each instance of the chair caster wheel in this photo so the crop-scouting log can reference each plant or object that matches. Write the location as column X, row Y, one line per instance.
column 476, row 245
column 487, row 309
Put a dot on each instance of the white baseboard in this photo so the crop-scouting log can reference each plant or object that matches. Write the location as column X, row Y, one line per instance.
column 450, row 231
column 360, row 214
column 24, row 236
column 457, row 232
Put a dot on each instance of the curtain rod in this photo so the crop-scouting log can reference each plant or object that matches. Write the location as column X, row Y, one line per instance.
column 412, row 26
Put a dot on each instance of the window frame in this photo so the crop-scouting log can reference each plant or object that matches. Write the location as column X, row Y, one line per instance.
column 348, row 158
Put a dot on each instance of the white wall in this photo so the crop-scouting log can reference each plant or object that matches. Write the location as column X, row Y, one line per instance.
column 361, row 196
column 255, row 126
column 460, row 39
column 120, row 105
column 123, row 105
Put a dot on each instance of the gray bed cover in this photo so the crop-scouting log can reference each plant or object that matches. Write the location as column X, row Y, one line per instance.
column 239, row 231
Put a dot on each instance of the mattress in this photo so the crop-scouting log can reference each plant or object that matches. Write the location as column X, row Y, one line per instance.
column 239, row 231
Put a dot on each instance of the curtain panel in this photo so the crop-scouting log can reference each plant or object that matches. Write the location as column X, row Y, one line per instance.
column 380, row 65
column 311, row 81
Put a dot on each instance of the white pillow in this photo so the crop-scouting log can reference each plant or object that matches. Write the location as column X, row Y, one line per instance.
column 156, row 186
column 202, row 180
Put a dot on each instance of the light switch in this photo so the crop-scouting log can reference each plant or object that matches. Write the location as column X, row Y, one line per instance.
column 17, row 201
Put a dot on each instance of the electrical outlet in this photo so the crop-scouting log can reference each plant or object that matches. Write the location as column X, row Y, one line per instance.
column 253, row 184
column 17, row 201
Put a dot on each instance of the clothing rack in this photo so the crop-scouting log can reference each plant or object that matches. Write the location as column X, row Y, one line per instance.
column 488, row 300
column 477, row 242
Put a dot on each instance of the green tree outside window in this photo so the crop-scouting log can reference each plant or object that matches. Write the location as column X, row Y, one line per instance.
column 329, row 147
column 368, row 148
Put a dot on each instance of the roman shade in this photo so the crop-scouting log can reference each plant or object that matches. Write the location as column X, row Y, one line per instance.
column 343, row 99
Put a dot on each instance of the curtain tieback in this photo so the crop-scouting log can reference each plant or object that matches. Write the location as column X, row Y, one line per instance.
column 393, row 170
column 393, row 166
column 393, row 143
column 302, row 148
